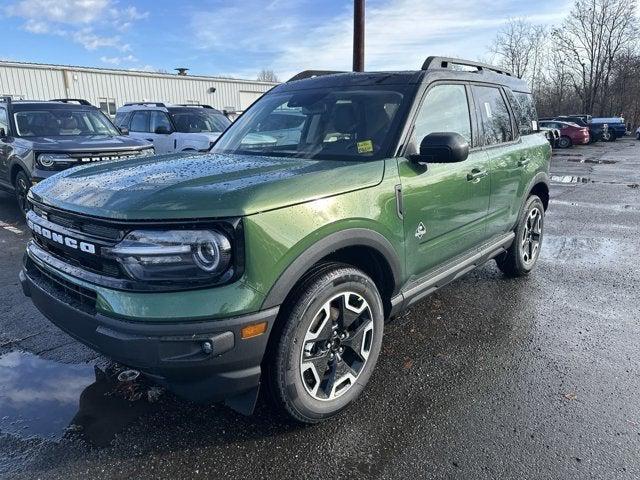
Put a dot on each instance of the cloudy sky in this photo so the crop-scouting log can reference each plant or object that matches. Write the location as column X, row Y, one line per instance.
column 239, row 38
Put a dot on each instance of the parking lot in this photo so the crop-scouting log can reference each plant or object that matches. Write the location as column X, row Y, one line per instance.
column 488, row 378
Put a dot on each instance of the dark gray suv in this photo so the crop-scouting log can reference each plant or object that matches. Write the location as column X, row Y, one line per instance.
column 38, row 139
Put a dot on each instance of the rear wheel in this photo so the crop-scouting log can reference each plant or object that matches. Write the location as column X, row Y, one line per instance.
column 564, row 142
column 606, row 136
column 638, row 135
column 523, row 254
column 329, row 344
column 21, row 185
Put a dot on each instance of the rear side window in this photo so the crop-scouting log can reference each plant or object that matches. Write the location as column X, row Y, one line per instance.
column 445, row 109
column 140, row 122
column 493, row 115
column 160, row 119
column 525, row 109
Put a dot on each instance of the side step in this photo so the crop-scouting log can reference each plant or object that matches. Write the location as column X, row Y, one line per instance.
column 440, row 277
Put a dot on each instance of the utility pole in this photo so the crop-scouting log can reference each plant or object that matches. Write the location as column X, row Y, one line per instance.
column 358, row 35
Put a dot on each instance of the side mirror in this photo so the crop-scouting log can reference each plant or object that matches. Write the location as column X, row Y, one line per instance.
column 124, row 131
column 442, row 147
column 3, row 133
column 162, row 130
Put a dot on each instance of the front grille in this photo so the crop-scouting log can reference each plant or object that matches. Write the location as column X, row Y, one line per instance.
column 73, row 295
column 76, row 258
column 80, row 224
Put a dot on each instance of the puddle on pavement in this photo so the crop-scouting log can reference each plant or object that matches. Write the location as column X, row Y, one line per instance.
column 46, row 399
column 593, row 250
column 569, row 179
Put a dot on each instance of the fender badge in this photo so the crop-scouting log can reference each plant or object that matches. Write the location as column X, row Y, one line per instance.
column 421, row 231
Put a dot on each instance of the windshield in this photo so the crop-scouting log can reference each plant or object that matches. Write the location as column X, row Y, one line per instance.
column 339, row 123
column 62, row 122
column 199, row 121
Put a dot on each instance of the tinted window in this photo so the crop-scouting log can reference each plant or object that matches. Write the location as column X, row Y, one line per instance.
column 121, row 119
column 4, row 121
column 525, row 110
column 493, row 114
column 341, row 123
column 140, row 122
column 159, row 119
column 445, row 109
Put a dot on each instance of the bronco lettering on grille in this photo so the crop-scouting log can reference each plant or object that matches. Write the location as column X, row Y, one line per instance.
column 62, row 239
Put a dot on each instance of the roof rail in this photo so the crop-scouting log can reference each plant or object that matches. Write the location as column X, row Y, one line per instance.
column 311, row 74
column 81, row 101
column 155, row 104
column 201, row 105
column 6, row 98
column 444, row 63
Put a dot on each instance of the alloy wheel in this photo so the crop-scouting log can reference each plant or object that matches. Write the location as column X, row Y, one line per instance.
column 336, row 346
column 22, row 189
column 532, row 236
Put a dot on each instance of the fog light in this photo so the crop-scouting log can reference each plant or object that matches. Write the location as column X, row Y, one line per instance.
column 254, row 330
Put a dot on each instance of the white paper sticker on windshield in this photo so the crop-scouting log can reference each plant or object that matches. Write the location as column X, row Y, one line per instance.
column 487, row 108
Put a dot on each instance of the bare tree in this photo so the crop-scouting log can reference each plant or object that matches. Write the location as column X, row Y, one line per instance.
column 518, row 47
column 592, row 37
column 267, row 76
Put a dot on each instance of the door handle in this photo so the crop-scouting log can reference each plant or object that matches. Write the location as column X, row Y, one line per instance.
column 523, row 162
column 149, row 139
column 476, row 174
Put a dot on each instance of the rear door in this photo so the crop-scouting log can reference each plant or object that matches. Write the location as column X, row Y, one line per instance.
column 444, row 204
column 506, row 154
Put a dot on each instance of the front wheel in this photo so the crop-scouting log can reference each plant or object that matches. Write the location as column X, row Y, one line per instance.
column 22, row 184
column 329, row 344
column 523, row 254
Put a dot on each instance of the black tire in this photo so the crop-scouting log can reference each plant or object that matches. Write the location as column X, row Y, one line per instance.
column 606, row 136
column 21, row 185
column 637, row 135
column 301, row 337
column 565, row 142
column 520, row 258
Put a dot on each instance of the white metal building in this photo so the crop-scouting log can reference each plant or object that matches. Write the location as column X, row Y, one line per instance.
column 110, row 88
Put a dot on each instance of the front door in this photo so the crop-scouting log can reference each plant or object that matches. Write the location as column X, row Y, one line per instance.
column 444, row 204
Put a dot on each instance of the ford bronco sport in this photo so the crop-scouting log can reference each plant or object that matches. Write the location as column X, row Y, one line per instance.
column 38, row 139
column 279, row 262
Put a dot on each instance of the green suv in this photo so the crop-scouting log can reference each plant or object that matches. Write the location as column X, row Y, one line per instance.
column 275, row 259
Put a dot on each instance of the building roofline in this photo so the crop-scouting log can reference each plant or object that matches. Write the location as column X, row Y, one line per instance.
column 116, row 71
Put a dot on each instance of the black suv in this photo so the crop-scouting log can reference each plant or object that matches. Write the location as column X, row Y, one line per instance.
column 38, row 139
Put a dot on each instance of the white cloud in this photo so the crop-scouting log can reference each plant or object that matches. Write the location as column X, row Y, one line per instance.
column 118, row 60
column 400, row 34
column 90, row 23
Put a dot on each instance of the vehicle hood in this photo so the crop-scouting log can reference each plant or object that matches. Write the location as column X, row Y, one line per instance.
column 86, row 143
column 182, row 186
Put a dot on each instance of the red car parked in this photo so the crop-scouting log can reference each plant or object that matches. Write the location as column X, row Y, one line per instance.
column 570, row 133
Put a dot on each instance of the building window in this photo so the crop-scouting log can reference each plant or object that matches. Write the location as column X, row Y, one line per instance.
column 107, row 105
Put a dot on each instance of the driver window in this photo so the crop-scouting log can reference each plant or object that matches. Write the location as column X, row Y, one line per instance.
column 159, row 119
column 445, row 109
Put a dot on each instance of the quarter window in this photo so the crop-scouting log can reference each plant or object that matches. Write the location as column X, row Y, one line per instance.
column 493, row 115
column 444, row 109
column 140, row 122
column 525, row 110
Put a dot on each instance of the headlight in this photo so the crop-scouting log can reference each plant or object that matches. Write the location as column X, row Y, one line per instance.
column 147, row 152
column 48, row 160
column 175, row 255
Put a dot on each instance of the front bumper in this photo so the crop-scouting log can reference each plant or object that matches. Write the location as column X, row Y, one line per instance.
column 172, row 353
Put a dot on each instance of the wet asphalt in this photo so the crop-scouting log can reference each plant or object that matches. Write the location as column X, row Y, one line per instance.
column 488, row 378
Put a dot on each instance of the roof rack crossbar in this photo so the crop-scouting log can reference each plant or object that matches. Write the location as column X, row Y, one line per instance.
column 155, row 104
column 444, row 63
column 81, row 101
column 311, row 74
column 201, row 105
